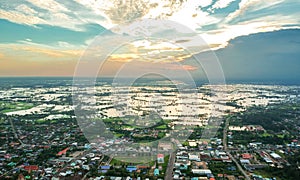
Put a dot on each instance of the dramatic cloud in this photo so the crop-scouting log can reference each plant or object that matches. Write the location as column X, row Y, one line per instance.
column 221, row 4
column 194, row 14
column 49, row 5
column 253, row 5
column 34, row 51
column 149, row 51
column 26, row 10
column 21, row 18
column 62, row 29
column 181, row 67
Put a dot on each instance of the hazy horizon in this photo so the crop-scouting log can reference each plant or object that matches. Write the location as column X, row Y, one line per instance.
column 250, row 40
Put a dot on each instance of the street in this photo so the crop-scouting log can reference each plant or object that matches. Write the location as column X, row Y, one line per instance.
column 228, row 152
column 169, row 171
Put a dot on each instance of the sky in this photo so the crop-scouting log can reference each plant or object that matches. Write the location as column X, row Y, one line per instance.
column 249, row 39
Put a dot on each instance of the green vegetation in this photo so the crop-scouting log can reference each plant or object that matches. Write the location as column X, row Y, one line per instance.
column 162, row 127
column 14, row 106
column 281, row 124
column 197, row 133
column 223, row 168
column 287, row 173
column 124, row 127
column 123, row 161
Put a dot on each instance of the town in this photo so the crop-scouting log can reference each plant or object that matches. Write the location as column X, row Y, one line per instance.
column 234, row 131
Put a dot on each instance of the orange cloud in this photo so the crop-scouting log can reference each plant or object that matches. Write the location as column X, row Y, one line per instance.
column 21, row 67
column 52, row 52
column 39, row 53
column 34, row 60
column 182, row 67
column 26, row 60
column 123, row 57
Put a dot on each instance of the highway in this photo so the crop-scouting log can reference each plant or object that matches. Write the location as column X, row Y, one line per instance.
column 169, row 171
column 228, row 152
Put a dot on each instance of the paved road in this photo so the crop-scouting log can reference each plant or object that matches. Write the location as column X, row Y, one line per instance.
column 225, row 133
column 14, row 131
column 228, row 152
column 85, row 176
column 169, row 171
column 110, row 159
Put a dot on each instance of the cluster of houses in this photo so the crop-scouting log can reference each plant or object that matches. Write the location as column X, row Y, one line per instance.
column 246, row 128
column 26, row 134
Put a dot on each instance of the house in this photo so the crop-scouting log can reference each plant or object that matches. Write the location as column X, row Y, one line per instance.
column 143, row 167
column 201, row 171
column 192, row 143
column 267, row 160
column 220, row 153
column 244, row 161
column 48, row 170
column 160, row 158
column 86, row 167
column 183, row 167
column 131, row 168
column 237, row 128
column 63, row 152
column 12, row 164
column 246, row 156
column 176, row 176
column 156, row 172
column 275, row 156
column 194, row 158
column 104, row 169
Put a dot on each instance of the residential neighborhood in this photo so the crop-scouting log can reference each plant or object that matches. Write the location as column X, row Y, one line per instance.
column 42, row 137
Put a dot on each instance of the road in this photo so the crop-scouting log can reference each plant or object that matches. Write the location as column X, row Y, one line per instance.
column 225, row 133
column 109, row 160
column 15, row 133
column 169, row 171
column 84, row 177
column 228, row 152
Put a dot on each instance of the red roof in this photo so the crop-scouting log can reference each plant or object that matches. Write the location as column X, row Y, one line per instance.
column 31, row 168
column 160, row 156
column 62, row 152
column 246, row 156
column 142, row 167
